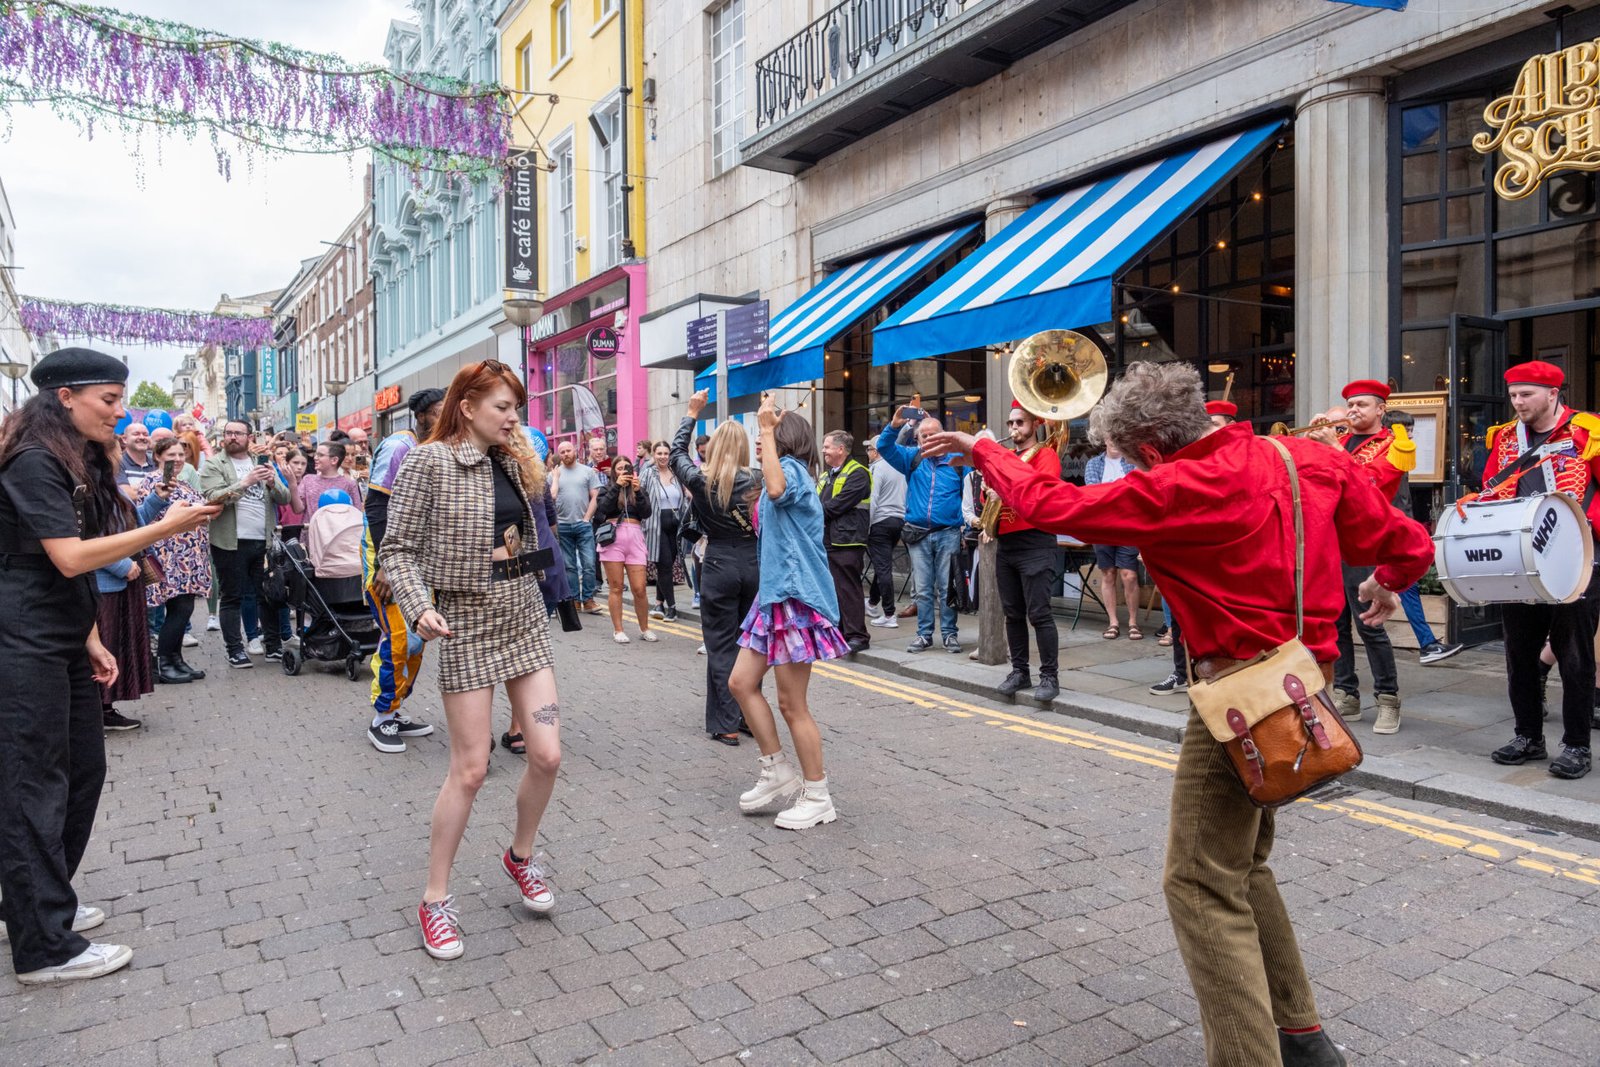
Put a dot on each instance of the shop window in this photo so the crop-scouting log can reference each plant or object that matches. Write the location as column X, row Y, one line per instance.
column 1420, row 174
column 1547, row 267
column 1463, row 215
column 1419, row 127
column 1424, row 358
column 1419, row 222
column 1464, row 169
column 1440, row 282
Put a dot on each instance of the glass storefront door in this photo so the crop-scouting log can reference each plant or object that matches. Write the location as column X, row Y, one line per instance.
column 1477, row 365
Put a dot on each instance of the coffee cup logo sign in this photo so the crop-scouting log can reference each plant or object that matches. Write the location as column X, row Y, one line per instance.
column 603, row 342
column 1550, row 121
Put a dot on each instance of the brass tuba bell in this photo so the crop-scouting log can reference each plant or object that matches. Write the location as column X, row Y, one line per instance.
column 1057, row 375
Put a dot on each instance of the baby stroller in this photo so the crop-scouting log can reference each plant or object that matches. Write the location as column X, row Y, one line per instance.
column 320, row 581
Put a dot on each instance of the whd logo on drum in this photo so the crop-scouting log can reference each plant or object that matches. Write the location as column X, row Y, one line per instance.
column 1483, row 555
column 1547, row 526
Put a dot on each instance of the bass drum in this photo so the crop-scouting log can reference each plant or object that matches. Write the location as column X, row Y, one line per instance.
column 1532, row 550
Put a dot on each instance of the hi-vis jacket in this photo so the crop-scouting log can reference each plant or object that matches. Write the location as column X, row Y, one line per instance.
column 846, row 505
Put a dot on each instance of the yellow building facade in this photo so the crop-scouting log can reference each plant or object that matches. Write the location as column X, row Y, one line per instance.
column 576, row 72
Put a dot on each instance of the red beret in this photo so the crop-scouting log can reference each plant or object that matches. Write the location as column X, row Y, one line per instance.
column 1222, row 407
column 1366, row 387
column 1015, row 405
column 1538, row 372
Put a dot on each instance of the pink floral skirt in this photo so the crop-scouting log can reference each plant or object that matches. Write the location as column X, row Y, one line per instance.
column 791, row 632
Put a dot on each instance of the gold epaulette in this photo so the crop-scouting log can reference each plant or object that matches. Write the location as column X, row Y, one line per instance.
column 1493, row 436
column 1589, row 423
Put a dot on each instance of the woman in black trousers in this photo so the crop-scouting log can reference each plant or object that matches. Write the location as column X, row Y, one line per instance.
column 58, row 497
column 730, row 573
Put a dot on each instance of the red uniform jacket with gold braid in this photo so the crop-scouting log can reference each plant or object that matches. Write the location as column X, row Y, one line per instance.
column 1572, row 468
column 1045, row 460
column 1372, row 456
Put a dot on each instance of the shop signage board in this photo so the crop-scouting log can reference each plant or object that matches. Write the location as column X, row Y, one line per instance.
column 306, row 422
column 522, row 229
column 386, row 398
column 746, row 328
column 1549, row 122
column 603, row 342
column 269, row 371
column 701, row 338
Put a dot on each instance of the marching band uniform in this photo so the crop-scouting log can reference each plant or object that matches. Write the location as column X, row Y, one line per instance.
column 1569, row 463
column 1375, row 454
column 1222, row 412
column 1215, row 527
column 1025, row 569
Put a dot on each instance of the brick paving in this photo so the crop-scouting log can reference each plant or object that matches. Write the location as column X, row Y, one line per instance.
column 990, row 894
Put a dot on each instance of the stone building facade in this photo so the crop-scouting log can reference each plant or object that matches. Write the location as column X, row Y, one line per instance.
column 334, row 325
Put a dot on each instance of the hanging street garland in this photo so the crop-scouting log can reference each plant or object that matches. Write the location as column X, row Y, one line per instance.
column 140, row 325
column 93, row 63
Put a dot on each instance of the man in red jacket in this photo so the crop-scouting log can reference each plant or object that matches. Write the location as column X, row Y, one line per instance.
column 1211, row 511
column 1548, row 449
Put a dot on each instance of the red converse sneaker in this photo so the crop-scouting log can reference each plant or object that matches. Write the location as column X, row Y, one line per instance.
column 536, row 896
column 441, row 932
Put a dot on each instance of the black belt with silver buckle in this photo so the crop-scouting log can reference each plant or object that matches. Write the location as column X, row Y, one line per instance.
column 506, row 570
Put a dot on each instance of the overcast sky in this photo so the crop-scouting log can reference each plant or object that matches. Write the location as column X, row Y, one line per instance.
column 149, row 221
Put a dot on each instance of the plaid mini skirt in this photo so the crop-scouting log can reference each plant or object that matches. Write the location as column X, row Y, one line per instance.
column 791, row 632
column 497, row 635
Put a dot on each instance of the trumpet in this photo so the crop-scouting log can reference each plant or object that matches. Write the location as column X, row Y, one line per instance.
column 1278, row 429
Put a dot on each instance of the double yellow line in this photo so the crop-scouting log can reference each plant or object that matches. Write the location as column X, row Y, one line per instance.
column 1469, row 839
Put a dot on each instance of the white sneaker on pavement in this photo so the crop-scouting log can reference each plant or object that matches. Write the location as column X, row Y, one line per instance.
column 213, row 623
column 874, row 611
column 888, row 622
column 778, row 779
column 812, row 807
column 700, row 651
column 92, row 962
column 620, row 638
column 255, row 647
column 190, row 640
column 88, row 918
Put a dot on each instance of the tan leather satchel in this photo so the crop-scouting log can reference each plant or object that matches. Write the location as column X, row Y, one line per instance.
column 1273, row 714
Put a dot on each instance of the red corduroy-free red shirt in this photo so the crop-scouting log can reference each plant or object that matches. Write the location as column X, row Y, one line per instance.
column 1047, row 461
column 1216, row 528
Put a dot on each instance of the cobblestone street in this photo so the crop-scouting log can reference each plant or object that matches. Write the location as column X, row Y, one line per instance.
column 989, row 894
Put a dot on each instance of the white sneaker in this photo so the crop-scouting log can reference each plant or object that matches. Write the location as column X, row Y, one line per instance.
column 888, row 622
column 88, row 918
column 778, row 779
column 255, row 647
column 213, row 623
column 657, row 613
column 812, row 807
column 874, row 611
column 620, row 638
column 649, row 635
column 700, row 651
column 190, row 640
column 92, row 962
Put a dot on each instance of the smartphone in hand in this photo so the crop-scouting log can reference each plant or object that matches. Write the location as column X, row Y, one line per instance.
column 169, row 471
column 262, row 459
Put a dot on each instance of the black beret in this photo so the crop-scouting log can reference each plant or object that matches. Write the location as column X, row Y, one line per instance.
column 423, row 399
column 78, row 366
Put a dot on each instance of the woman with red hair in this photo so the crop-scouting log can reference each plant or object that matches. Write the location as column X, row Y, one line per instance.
column 460, row 525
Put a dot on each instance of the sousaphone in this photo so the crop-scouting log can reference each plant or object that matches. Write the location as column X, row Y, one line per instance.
column 1056, row 375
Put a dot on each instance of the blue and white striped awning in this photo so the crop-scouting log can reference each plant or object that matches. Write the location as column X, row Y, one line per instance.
column 1053, row 267
column 799, row 334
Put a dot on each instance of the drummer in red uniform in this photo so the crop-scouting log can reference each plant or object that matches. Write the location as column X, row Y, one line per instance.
column 1549, row 448
column 1371, row 445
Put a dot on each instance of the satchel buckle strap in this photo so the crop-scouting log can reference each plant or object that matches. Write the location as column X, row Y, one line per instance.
column 1247, row 745
column 1296, row 689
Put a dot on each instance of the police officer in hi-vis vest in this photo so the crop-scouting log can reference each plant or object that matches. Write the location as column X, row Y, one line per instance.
column 846, row 491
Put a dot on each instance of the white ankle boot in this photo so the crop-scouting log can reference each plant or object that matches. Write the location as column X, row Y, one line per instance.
column 778, row 779
column 814, row 806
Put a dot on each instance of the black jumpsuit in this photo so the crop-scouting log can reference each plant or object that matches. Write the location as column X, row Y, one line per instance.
column 52, row 745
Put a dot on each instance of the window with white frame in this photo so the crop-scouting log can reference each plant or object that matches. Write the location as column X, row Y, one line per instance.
column 563, row 235
column 560, row 32
column 525, row 65
column 604, row 9
column 605, row 195
column 727, row 85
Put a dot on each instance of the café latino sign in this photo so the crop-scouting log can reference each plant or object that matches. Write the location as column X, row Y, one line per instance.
column 1549, row 122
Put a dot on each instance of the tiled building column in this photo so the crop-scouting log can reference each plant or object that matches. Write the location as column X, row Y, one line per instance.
column 1341, row 241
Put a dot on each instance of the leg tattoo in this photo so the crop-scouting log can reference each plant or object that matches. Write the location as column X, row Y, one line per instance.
column 548, row 715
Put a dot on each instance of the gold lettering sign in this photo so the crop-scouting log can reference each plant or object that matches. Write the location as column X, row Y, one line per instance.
column 1550, row 121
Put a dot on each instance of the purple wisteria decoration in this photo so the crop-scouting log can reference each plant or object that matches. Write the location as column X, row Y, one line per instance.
column 139, row 325
column 89, row 62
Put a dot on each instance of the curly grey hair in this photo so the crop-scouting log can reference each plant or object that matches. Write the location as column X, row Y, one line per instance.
column 1155, row 404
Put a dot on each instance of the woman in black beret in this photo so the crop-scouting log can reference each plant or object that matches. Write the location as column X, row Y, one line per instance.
column 58, row 499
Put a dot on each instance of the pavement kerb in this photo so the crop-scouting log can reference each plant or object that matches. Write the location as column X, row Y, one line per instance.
column 1385, row 773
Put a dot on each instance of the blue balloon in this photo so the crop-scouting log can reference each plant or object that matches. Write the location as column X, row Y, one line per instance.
column 541, row 443
column 124, row 422
column 333, row 496
column 155, row 419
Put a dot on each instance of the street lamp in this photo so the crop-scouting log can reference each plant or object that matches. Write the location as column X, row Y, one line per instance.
column 334, row 388
column 522, row 309
column 255, row 420
column 13, row 370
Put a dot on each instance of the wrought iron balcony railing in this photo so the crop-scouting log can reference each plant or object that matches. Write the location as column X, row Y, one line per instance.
column 842, row 45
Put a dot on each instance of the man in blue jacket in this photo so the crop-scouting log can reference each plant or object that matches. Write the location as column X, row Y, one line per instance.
column 932, row 532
